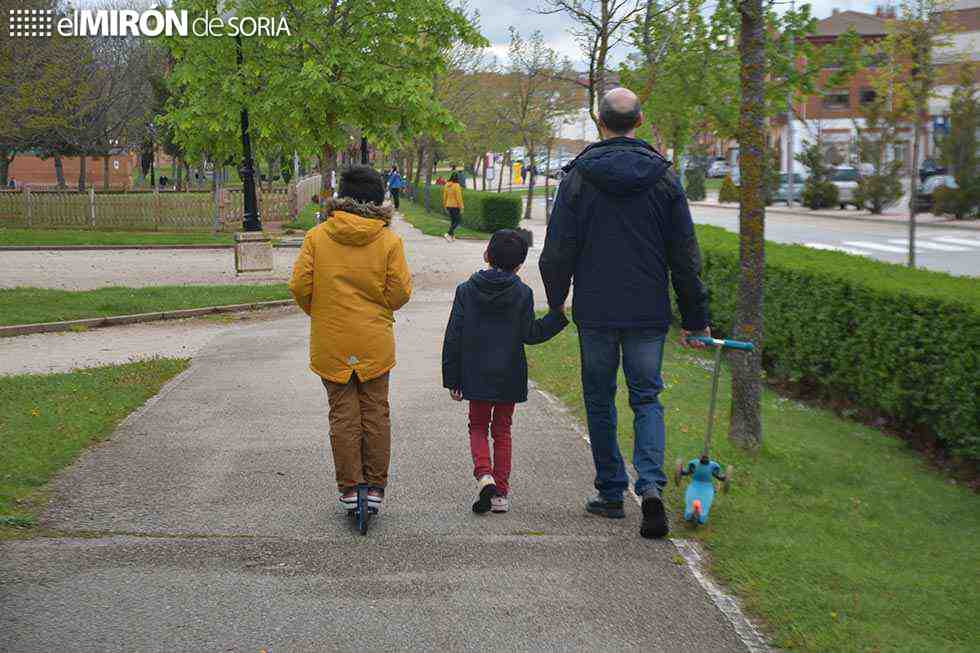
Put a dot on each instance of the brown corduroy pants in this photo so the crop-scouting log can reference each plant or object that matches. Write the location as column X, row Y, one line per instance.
column 360, row 431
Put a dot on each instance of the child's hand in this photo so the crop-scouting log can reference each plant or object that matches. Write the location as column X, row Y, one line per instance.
column 456, row 394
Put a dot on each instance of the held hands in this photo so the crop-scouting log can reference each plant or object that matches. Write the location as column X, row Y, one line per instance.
column 456, row 394
column 695, row 344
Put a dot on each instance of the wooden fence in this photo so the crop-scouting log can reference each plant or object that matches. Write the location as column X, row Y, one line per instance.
column 138, row 210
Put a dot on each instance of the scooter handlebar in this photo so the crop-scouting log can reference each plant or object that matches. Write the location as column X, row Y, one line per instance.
column 729, row 344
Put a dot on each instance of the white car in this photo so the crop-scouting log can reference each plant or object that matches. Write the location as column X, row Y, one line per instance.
column 845, row 179
column 718, row 168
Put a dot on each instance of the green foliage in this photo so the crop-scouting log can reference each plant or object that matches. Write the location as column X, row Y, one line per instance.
column 729, row 191
column 818, row 191
column 501, row 212
column 959, row 149
column 694, row 189
column 893, row 340
column 49, row 418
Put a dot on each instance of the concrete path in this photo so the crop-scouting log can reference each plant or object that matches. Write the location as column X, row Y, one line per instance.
column 208, row 523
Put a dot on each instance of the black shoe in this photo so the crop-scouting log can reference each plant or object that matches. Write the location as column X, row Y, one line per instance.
column 482, row 504
column 598, row 506
column 654, row 517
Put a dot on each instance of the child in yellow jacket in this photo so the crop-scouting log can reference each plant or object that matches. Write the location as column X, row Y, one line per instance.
column 452, row 201
column 350, row 277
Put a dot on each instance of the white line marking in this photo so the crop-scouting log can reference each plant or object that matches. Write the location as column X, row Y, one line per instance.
column 689, row 550
column 959, row 241
column 837, row 248
column 878, row 246
column 925, row 244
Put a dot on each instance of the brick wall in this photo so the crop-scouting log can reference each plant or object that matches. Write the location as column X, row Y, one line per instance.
column 28, row 169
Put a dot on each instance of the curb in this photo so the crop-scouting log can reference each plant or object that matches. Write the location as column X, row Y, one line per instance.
column 99, row 248
column 859, row 218
column 118, row 320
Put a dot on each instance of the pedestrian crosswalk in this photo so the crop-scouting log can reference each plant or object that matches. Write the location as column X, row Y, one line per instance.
column 931, row 245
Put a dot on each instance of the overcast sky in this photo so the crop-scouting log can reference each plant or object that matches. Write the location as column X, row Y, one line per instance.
column 496, row 17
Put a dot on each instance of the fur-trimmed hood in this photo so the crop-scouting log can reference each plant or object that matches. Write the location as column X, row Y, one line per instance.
column 381, row 212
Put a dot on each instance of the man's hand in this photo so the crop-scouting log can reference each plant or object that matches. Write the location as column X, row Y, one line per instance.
column 695, row 344
column 456, row 394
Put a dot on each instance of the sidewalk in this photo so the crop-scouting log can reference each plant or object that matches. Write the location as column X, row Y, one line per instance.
column 208, row 522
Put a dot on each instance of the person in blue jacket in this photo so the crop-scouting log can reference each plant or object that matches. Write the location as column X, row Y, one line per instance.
column 483, row 359
column 621, row 228
column 395, row 185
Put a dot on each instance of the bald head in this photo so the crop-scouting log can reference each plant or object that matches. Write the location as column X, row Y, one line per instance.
column 619, row 112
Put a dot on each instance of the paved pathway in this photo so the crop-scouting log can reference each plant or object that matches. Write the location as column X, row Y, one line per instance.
column 208, row 523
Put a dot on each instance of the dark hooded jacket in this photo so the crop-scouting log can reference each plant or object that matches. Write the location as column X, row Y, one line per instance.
column 621, row 226
column 491, row 321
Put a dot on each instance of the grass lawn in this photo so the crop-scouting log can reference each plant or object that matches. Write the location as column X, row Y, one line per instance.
column 47, row 419
column 34, row 305
column 305, row 220
column 839, row 537
column 435, row 224
column 713, row 184
column 84, row 237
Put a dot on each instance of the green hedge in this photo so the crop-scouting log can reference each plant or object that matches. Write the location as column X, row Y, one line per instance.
column 482, row 210
column 897, row 341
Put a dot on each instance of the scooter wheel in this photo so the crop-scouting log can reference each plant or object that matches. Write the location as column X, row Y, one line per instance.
column 678, row 468
column 727, row 485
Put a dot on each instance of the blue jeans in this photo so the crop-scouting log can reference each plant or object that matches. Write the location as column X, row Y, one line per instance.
column 643, row 351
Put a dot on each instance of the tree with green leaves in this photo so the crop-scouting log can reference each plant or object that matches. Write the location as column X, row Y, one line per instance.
column 958, row 149
column 879, row 186
column 368, row 64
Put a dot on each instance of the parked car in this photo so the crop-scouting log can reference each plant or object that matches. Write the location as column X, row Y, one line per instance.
column 783, row 191
column 719, row 168
column 846, row 181
column 925, row 195
column 930, row 168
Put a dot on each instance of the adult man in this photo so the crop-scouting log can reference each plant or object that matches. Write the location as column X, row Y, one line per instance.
column 620, row 224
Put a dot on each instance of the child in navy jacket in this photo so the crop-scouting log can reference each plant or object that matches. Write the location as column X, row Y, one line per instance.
column 483, row 358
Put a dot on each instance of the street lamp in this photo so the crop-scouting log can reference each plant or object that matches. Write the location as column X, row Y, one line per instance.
column 251, row 221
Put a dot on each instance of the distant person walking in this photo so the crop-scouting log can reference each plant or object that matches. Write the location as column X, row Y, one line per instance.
column 452, row 201
column 620, row 227
column 395, row 185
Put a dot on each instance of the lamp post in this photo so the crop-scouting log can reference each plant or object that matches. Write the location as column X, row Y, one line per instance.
column 364, row 150
column 251, row 221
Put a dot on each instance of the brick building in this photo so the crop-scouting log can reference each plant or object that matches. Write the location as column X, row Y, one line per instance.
column 35, row 171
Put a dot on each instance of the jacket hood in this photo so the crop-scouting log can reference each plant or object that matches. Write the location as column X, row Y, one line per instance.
column 621, row 165
column 352, row 229
column 496, row 290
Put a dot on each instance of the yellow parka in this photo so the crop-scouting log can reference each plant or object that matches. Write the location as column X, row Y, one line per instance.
column 452, row 196
column 350, row 277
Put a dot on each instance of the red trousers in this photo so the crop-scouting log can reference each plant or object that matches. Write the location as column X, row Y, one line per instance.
column 486, row 416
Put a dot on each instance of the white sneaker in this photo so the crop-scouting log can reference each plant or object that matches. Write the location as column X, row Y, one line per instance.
column 500, row 504
column 348, row 501
column 448, row 238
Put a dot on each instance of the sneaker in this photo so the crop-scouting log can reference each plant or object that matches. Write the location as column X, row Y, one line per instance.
column 375, row 497
column 654, row 523
column 448, row 238
column 598, row 506
column 348, row 500
column 500, row 504
column 487, row 491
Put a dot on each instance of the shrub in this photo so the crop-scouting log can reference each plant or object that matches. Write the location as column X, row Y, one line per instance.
column 694, row 189
column 819, row 194
column 729, row 191
column 955, row 201
column 500, row 212
column 881, row 189
column 899, row 342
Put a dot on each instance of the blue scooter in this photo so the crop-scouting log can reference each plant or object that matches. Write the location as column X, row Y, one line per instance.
column 703, row 471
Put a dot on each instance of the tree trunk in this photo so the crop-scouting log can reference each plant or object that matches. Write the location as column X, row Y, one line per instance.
column 418, row 164
column 484, row 161
column 6, row 158
column 430, row 166
column 504, row 163
column 81, row 172
column 59, row 172
column 179, row 174
column 745, row 427
column 913, row 177
column 530, row 180
column 105, row 172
